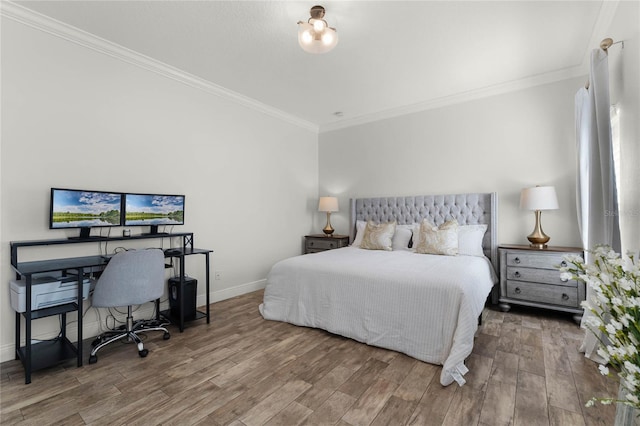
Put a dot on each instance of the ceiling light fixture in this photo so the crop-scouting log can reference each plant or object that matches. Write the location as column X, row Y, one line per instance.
column 315, row 35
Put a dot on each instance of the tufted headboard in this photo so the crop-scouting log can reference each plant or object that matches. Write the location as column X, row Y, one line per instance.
column 467, row 209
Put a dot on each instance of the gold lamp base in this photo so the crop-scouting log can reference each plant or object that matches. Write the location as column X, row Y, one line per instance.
column 328, row 230
column 538, row 238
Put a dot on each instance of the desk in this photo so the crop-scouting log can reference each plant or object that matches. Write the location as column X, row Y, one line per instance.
column 35, row 356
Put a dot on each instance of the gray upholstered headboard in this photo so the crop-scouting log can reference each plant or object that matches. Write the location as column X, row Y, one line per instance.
column 467, row 209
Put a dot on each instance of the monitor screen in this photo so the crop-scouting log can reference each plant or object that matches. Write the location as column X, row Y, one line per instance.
column 153, row 210
column 74, row 208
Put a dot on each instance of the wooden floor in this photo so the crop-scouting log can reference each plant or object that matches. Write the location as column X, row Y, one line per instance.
column 242, row 370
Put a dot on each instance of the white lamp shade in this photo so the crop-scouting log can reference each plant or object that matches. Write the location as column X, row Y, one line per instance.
column 328, row 204
column 539, row 198
column 313, row 41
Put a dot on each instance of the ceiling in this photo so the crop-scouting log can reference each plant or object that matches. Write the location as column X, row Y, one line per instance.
column 393, row 57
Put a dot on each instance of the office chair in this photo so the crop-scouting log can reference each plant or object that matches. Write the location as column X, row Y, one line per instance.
column 131, row 277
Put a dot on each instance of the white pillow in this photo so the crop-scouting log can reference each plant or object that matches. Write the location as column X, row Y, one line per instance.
column 360, row 225
column 441, row 239
column 470, row 240
column 402, row 237
column 378, row 236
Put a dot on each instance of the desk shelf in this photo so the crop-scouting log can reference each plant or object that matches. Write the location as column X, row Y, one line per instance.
column 49, row 353
column 177, row 252
column 176, row 318
column 53, row 310
column 187, row 242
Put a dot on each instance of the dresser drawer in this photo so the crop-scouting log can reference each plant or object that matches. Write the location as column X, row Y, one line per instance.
column 310, row 250
column 536, row 260
column 543, row 293
column 318, row 242
column 548, row 276
column 322, row 244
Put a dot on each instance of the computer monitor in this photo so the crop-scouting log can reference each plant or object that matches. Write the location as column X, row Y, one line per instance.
column 76, row 208
column 153, row 210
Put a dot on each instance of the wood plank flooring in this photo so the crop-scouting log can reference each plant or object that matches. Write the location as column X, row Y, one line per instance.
column 241, row 370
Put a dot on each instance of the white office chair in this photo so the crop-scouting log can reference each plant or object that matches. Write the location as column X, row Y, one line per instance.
column 131, row 278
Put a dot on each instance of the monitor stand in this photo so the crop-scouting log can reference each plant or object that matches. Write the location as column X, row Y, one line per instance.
column 85, row 234
column 153, row 230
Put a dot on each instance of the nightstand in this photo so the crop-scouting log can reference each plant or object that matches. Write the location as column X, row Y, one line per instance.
column 320, row 242
column 530, row 277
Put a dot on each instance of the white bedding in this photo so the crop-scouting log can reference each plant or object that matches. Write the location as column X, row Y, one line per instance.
column 426, row 306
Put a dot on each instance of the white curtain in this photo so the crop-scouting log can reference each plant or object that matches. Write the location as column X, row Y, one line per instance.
column 597, row 201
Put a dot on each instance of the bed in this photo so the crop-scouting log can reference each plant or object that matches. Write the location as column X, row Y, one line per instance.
column 426, row 306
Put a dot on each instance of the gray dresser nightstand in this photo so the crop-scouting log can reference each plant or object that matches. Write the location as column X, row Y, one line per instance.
column 531, row 277
column 320, row 242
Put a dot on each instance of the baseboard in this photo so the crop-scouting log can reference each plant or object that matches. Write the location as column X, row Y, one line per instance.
column 91, row 324
column 228, row 293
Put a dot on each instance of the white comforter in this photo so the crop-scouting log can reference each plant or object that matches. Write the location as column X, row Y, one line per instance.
column 425, row 306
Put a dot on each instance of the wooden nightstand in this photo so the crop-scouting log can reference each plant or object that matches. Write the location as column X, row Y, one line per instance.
column 531, row 277
column 320, row 242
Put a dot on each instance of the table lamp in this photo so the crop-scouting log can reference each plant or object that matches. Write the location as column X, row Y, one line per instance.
column 328, row 204
column 537, row 199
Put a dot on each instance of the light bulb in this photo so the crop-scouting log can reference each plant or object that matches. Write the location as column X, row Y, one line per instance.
column 307, row 38
column 319, row 25
column 327, row 37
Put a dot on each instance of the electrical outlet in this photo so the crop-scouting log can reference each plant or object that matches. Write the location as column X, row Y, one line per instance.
column 217, row 275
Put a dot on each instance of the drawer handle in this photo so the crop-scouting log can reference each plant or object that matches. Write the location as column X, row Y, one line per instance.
column 517, row 274
column 563, row 264
column 518, row 291
column 332, row 245
column 311, row 244
column 516, row 260
column 564, row 280
column 565, row 296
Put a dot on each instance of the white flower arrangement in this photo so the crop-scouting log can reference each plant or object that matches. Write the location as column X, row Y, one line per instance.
column 615, row 281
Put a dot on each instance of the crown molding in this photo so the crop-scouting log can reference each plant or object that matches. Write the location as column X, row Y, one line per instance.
column 75, row 35
column 459, row 98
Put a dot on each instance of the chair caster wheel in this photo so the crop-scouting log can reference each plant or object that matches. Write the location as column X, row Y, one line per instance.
column 143, row 353
column 93, row 359
column 166, row 336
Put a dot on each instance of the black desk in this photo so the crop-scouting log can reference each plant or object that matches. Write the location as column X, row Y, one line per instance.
column 35, row 356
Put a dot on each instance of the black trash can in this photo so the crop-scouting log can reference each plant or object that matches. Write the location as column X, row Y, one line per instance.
column 188, row 302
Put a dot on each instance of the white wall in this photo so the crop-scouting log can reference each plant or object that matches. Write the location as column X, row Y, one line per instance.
column 624, row 74
column 76, row 118
column 502, row 143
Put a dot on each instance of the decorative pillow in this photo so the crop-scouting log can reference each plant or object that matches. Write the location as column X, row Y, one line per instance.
column 470, row 240
column 401, row 238
column 378, row 237
column 438, row 240
column 360, row 225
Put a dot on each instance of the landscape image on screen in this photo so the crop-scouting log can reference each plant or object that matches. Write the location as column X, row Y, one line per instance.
column 143, row 209
column 80, row 209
